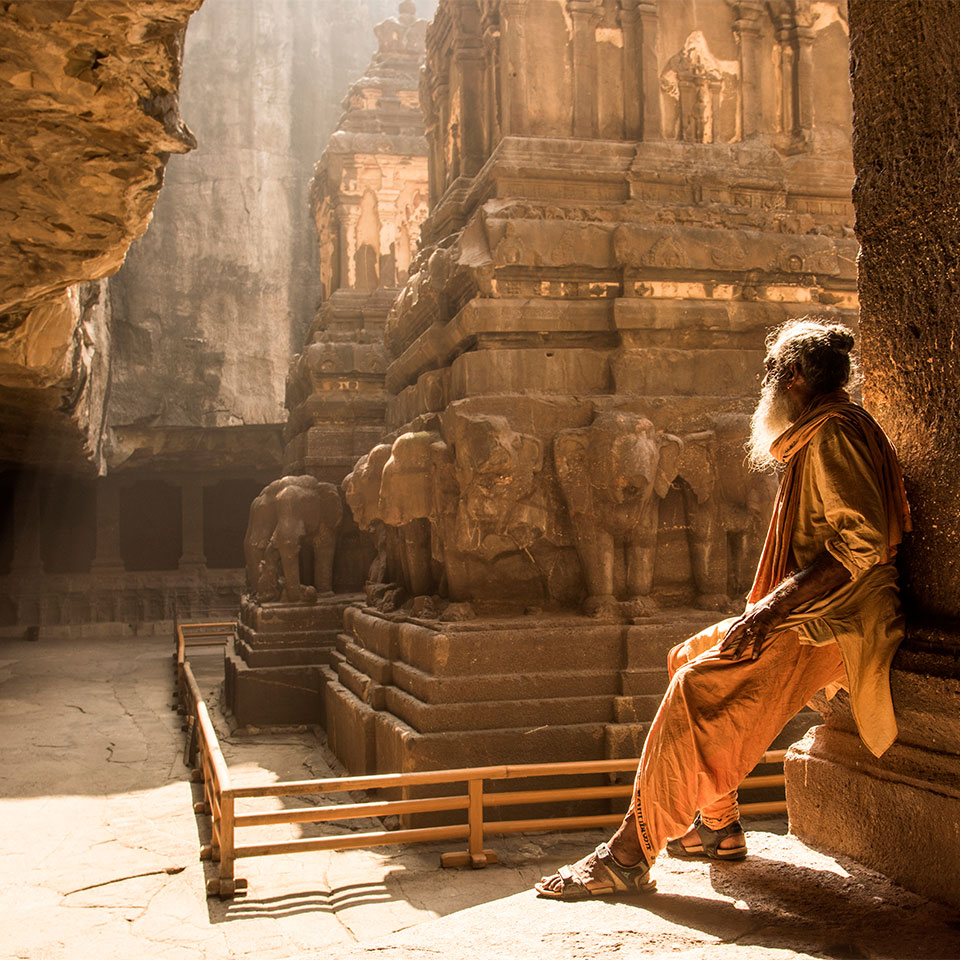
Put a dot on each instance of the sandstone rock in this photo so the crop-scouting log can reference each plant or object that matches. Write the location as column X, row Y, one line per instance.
column 89, row 115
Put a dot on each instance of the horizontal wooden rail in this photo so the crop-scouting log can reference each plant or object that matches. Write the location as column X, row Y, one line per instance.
column 220, row 795
column 351, row 811
column 354, row 841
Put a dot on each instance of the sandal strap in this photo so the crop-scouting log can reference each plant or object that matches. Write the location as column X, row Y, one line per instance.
column 711, row 838
column 630, row 877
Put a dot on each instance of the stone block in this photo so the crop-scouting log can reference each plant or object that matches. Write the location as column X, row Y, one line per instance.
column 272, row 695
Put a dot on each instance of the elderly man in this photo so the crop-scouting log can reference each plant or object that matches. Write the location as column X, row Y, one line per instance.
column 823, row 613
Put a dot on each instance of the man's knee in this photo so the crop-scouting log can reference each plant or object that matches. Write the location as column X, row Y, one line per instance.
column 676, row 658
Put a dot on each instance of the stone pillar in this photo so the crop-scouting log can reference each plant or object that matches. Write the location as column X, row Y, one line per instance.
column 491, row 48
column 900, row 814
column 470, row 60
column 348, row 214
column 585, row 15
column 513, row 79
column 107, row 556
column 632, row 70
column 748, row 36
column 191, row 493
column 650, row 69
column 805, row 77
column 788, row 92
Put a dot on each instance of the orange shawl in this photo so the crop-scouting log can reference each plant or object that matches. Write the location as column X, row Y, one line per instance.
column 791, row 448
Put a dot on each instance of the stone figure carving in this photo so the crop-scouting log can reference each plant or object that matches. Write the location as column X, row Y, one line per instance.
column 288, row 514
column 417, row 491
column 727, row 507
column 509, row 518
column 692, row 82
column 613, row 475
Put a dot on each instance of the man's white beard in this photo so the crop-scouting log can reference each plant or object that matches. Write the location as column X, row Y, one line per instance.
column 769, row 420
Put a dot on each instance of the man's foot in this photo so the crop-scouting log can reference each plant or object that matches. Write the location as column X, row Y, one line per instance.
column 598, row 874
column 727, row 843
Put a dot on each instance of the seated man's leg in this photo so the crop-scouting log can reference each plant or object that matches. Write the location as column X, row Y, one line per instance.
column 724, row 810
column 716, row 720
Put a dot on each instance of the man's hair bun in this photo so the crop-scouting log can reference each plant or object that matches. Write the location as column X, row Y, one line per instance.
column 840, row 338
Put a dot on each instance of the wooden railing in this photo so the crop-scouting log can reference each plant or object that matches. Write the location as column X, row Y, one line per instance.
column 220, row 799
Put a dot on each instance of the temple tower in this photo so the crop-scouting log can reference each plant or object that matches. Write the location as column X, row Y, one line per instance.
column 624, row 198
column 368, row 198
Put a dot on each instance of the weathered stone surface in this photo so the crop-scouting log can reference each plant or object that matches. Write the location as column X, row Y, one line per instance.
column 89, row 116
column 905, row 87
column 218, row 294
column 568, row 282
column 624, row 199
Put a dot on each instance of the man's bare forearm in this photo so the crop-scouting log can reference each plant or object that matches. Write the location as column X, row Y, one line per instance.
column 822, row 576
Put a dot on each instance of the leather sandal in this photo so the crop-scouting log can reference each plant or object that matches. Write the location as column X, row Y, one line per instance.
column 709, row 845
column 622, row 880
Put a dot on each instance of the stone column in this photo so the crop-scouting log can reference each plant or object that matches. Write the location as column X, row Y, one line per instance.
column 585, row 15
column 805, row 78
column 899, row 814
column 107, row 556
column 632, row 70
column 470, row 61
column 747, row 30
column 191, row 493
column 650, row 69
column 348, row 214
column 788, row 92
column 491, row 48
column 513, row 66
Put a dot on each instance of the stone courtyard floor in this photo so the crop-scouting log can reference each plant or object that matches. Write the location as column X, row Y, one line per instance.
column 100, row 861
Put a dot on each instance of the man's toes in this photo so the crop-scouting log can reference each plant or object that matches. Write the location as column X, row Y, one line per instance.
column 553, row 882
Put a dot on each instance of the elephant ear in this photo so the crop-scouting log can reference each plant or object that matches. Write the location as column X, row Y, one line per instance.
column 698, row 468
column 668, row 463
column 570, row 457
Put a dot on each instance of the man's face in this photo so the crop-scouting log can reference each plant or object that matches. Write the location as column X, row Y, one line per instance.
column 774, row 413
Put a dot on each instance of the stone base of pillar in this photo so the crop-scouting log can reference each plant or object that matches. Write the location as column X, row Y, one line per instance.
column 898, row 814
column 272, row 670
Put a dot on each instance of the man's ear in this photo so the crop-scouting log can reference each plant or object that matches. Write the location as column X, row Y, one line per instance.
column 796, row 376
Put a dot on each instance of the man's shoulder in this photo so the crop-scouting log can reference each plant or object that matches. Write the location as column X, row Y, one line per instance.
column 851, row 421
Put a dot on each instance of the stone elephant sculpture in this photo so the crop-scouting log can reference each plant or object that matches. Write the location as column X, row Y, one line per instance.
column 288, row 514
column 727, row 507
column 613, row 475
column 361, row 489
column 418, row 493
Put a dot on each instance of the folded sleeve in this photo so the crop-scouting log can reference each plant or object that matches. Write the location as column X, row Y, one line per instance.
column 849, row 489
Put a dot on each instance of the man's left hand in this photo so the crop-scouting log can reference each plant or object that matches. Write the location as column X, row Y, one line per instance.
column 746, row 635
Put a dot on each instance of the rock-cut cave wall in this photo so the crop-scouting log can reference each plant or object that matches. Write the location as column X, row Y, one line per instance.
column 89, row 114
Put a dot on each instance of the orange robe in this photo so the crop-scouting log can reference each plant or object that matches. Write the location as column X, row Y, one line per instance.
column 841, row 492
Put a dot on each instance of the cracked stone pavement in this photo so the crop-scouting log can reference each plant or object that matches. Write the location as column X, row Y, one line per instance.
column 101, row 860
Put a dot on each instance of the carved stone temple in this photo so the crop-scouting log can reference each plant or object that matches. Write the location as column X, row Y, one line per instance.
column 369, row 198
column 624, row 198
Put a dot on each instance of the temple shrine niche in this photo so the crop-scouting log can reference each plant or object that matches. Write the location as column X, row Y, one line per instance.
column 369, row 197
column 624, row 198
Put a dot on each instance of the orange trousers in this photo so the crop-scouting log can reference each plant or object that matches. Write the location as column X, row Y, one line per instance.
column 716, row 719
